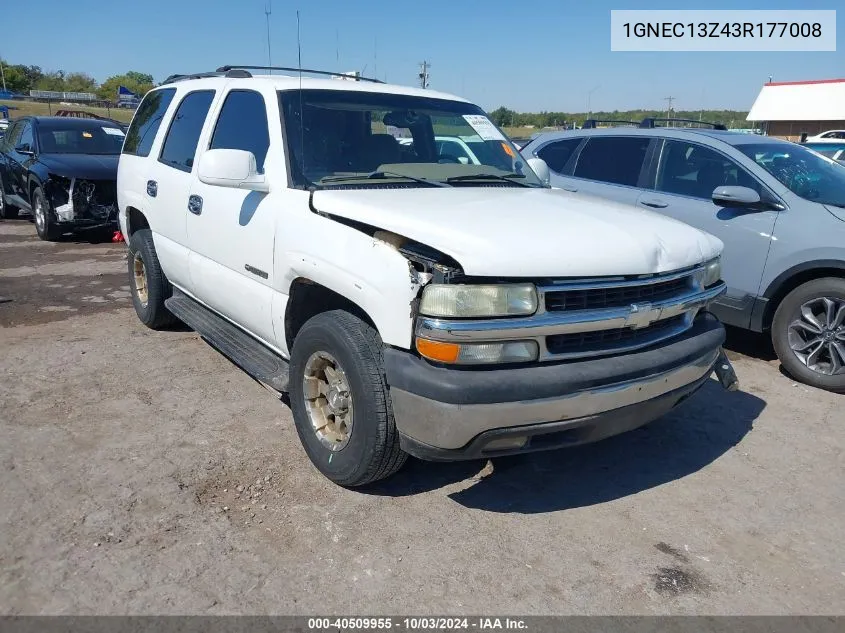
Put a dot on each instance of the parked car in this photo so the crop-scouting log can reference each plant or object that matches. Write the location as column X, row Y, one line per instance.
column 62, row 171
column 778, row 207
column 834, row 151
column 831, row 136
column 407, row 306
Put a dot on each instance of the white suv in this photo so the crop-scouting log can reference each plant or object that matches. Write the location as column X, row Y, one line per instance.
column 407, row 302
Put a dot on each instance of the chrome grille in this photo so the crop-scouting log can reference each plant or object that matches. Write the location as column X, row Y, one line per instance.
column 614, row 296
column 593, row 343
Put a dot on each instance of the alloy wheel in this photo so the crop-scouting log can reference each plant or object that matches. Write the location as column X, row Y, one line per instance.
column 140, row 273
column 40, row 220
column 817, row 336
column 328, row 400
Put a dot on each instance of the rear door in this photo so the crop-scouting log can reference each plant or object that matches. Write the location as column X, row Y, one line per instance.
column 610, row 166
column 231, row 231
column 682, row 183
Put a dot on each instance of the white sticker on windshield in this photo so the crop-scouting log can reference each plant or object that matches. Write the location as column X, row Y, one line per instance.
column 114, row 131
column 484, row 127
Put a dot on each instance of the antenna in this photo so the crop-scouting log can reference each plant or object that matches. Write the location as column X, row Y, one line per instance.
column 268, row 9
column 375, row 56
column 301, row 111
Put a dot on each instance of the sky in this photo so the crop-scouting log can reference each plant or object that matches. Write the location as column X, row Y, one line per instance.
column 531, row 56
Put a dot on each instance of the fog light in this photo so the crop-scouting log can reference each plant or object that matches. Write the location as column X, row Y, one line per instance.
column 506, row 443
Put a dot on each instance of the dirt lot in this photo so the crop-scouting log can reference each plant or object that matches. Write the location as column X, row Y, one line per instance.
column 143, row 473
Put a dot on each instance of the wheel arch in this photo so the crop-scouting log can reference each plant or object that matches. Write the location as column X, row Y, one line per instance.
column 135, row 221
column 308, row 298
column 793, row 277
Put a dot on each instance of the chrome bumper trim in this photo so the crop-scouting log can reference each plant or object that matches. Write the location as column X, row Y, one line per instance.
column 452, row 426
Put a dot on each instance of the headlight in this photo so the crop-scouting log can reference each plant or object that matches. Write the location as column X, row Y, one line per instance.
column 478, row 353
column 712, row 272
column 455, row 300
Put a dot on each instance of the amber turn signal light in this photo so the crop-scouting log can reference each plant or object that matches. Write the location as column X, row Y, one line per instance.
column 440, row 352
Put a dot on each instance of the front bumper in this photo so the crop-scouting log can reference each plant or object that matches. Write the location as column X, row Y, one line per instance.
column 454, row 413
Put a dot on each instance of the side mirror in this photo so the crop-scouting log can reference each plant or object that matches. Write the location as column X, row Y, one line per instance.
column 539, row 167
column 233, row 168
column 733, row 197
column 24, row 148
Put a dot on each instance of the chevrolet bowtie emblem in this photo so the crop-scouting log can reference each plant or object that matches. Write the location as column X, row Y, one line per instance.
column 641, row 315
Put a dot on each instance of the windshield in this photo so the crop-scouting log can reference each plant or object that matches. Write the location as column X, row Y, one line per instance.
column 805, row 172
column 356, row 138
column 98, row 137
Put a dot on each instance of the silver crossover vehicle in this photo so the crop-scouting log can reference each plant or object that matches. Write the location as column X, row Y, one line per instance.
column 778, row 207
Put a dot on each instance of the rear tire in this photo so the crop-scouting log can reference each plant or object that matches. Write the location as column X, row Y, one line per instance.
column 370, row 450
column 805, row 354
column 150, row 288
column 45, row 225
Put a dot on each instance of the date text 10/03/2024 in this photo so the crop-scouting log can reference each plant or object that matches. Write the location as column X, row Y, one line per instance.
column 416, row 624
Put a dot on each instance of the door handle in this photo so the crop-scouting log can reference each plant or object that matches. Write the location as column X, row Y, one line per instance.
column 152, row 188
column 569, row 188
column 195, row 205
column 654, row 203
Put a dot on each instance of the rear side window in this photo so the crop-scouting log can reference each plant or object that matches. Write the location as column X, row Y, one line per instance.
column 242, row 124
column 147, row 120
column 556, row 154
column 180, row 144
column 614, row 159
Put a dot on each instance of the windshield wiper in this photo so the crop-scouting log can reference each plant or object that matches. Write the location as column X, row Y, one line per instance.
column 502, row 177
column 382, row 175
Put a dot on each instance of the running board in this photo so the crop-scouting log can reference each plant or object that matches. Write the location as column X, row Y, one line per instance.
column 246, row 352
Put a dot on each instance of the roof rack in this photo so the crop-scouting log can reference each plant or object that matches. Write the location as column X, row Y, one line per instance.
column 238, row 67
column 240, row 74
column 649, row 122
column 590, row 124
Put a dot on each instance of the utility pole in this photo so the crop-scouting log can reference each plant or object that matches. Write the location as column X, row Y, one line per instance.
column 2, row 74
column 589, row 97
column 424, row 74
column 268, row 9
column 669, row 107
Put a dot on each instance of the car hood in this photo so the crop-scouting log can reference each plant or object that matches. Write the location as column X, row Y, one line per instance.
column 89, row 166
column 494, row 231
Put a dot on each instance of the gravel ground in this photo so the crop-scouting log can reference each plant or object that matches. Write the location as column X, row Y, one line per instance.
column 143, row 473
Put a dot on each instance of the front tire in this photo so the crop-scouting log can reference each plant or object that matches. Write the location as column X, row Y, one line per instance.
column 341, row 402
column 808, row 333
column 150, row 288
column 45, row 225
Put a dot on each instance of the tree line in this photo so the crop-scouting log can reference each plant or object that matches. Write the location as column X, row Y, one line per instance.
column 504, row 117
column 20, row 79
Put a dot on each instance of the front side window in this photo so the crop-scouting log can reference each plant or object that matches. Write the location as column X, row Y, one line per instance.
column 146, row 122
column 180, row 144
column 804, row 172
column 693, row 170
column 613, row 159
column 26, row 137
column 339, row 138
column 557, row 153
column 242, row 124
column 92, row 137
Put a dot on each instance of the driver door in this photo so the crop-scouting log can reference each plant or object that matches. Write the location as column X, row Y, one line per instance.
column 682, row 187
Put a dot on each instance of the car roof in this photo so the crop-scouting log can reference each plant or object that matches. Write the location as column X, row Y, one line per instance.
column 69, row 121
column 726, row 136
column 294, row 82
